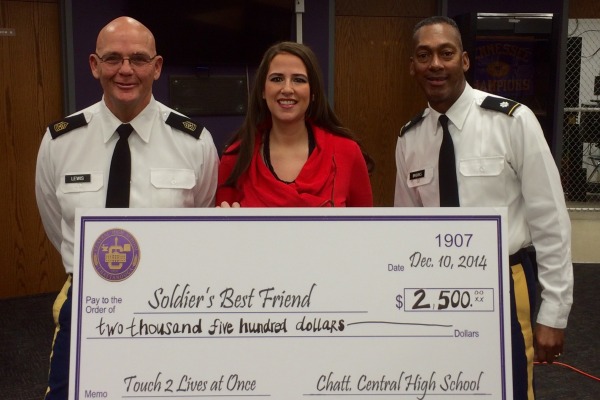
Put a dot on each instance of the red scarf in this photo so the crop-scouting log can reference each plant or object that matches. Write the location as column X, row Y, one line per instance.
column 314, row 186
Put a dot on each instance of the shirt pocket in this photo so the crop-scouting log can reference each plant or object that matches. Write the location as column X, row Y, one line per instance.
column 82, row 182
column 487, row 166
column 484, row 181
column 420, row 177
column 172, row 187
column 81, row 189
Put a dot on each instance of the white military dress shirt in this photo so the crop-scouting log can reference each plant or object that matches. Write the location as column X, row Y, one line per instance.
column 501, row 161
column 169, row 169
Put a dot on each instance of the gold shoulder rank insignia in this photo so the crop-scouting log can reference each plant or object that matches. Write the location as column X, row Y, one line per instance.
column 68, row 124
column 59, row 126
column 184, row 124
column 503, row 105
column 413, row 122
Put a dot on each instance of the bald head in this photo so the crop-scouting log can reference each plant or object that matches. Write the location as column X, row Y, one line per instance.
column 124, row 29
column 127, row 65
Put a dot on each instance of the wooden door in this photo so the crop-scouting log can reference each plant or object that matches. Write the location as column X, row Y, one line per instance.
column 31, row 97
column 374, row 92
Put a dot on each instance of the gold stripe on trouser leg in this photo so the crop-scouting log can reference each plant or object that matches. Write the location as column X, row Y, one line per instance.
column 58, row 303
column 524, row 317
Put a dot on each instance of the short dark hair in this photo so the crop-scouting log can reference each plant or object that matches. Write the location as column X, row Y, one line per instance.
column 437, row 19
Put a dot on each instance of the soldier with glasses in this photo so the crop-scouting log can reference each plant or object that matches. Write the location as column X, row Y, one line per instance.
column 127, row 150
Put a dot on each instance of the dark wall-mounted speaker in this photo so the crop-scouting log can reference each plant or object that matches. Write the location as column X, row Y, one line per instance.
column 215, row 95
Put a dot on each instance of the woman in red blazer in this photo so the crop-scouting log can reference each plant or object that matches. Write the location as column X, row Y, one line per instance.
column 291, row 150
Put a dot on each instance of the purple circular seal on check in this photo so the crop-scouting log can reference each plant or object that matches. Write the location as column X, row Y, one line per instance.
column 115, row 255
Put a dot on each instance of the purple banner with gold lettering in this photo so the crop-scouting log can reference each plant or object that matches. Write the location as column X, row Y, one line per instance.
column 504, row 66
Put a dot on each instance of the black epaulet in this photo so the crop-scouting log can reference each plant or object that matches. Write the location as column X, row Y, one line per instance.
column 412, row 123
column 184, row 124
column 66, row 125
column 503, row 105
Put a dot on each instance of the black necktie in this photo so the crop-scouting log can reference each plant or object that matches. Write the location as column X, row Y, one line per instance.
column 447, row 168
column 117, row 194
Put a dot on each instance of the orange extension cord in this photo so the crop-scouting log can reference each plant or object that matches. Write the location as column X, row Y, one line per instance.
column 571, row 368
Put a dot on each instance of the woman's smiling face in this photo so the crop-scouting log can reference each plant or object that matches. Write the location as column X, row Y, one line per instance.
column 287, row 90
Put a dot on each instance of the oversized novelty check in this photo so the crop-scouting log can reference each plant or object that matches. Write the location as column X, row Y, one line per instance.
column 291, row 304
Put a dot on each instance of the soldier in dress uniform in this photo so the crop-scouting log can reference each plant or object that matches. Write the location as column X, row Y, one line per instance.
column 501, row 159
column 171, row 160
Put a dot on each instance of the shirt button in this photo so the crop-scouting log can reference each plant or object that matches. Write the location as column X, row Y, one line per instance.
column 481, row 169
column 173, row 182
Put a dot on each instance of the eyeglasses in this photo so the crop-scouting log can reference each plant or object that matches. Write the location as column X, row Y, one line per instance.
column 135, row 60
